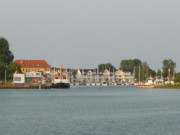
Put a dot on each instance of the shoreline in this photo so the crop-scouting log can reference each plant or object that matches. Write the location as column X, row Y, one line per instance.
column 176, row 86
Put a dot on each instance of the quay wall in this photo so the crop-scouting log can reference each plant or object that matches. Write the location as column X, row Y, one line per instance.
column 24, row 87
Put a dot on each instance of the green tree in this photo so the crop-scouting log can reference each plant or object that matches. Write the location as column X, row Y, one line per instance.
column 74, row 72
column 108, row 66
column 6, row 56
column 12, row 69
column 130, row 64
column 177, row 78
column 168, row 63
column 158, row 72
column 2, row 71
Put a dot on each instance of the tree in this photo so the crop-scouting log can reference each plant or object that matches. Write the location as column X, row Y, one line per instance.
column 2, row 71
column 158, row 73
column 130, row 64
column 6, row 56
column 177, row 78
column 108, row 66
column 12, row 69
column 168, row 63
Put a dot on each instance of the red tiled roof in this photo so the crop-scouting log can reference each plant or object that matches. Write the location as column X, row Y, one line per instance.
column 33, row 63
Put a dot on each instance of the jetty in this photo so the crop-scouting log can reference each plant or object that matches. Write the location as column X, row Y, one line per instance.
column 147, row 86
column 25, row 87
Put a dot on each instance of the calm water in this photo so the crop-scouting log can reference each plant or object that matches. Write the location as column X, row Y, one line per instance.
column 120, row 110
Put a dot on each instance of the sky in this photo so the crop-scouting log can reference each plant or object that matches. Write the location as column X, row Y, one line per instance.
column 85, row 33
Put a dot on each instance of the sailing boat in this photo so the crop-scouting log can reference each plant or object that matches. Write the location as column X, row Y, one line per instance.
column 98, row 84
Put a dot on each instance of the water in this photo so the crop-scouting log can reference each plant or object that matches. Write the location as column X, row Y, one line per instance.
column 120, row 110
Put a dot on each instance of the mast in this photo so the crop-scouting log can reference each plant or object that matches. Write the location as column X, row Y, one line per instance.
column 60, row 70
column 139, row 75
column 98, row 74
column 54, row 67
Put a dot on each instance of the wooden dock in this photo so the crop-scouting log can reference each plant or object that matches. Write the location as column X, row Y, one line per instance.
column 146, row 86
column 24, row 87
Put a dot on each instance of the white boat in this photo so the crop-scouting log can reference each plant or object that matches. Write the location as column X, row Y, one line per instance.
column 61, row 81
column 88, row 84
column 104, row 84
column 93, row 84
column 98, row 84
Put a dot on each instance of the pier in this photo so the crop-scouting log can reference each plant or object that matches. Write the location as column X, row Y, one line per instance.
column 25, row 87
column 146, row 86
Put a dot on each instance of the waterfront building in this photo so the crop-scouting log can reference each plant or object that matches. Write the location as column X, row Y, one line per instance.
column 34, row 77
column 91, row 76
column 34, row 65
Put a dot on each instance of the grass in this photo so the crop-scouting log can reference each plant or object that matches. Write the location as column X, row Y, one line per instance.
column 169, row 86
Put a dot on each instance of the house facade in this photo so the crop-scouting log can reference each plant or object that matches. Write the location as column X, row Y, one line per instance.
column 89, row 76
column 34, row 65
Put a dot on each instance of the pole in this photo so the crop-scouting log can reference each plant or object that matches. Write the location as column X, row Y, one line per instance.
column 5, row 77
column 139, row 75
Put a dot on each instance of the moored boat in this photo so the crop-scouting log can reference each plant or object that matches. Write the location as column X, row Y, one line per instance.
column 61, row 81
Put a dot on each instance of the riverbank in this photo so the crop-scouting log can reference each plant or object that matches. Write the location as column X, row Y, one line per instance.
column 175, row 86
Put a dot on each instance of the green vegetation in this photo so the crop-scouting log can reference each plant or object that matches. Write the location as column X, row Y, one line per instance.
column 175, row 86
column 108, row 66
column 168, row 63
column 6, row 61
column 135, row 64
column 6, row 56
column 177, row 78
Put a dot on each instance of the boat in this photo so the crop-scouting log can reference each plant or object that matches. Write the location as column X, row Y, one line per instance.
column 98, row 84
column 104, row 84
column 88, row 84
column 61, row 81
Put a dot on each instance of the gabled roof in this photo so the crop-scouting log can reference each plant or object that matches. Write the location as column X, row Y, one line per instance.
column 33, row 63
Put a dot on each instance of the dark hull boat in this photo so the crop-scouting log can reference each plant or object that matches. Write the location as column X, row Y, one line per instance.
column 60, row 85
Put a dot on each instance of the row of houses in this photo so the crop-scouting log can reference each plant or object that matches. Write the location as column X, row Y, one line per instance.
column 80, row 76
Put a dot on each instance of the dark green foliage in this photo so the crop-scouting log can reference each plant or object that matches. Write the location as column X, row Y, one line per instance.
column 177, row 78
column 158, row 73
column 74, row 72
column 166, row 65
column 169, row 86
column 130, row 64
column 135, row 64
column 108, row 66
column 2, row 71
column 6, row 56
column 12, row 69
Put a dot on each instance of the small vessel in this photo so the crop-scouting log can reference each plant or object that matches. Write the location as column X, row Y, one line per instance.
column 104, row 84
column 61, row 81
column 88, row 84
column 98, row 84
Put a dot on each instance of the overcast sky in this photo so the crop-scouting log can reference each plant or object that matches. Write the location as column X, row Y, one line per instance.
column 84, row 33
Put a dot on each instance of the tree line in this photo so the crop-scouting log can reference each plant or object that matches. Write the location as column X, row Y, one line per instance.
column 7, row 64
column 143, row 69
